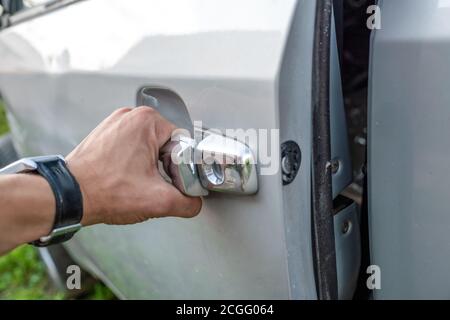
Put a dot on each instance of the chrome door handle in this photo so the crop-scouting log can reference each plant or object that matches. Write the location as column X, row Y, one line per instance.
column 215, row 163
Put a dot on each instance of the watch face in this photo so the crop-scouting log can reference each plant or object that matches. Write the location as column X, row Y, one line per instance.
column 28, row 164
column 45, row 158
column 22, row 165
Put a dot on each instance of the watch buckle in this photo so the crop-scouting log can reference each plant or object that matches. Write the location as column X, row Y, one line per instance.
column 59, row 232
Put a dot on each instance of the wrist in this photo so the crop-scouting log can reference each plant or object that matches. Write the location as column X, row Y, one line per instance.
column 37, row 203
column 90, row 217
column 45, row 203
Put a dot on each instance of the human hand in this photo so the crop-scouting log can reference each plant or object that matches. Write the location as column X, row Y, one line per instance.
column 116, row 166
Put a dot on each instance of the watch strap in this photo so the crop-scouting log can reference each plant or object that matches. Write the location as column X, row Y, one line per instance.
column 68, row 200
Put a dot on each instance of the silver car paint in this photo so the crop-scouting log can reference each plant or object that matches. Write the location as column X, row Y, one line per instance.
column 409, row 177
column 63, row 72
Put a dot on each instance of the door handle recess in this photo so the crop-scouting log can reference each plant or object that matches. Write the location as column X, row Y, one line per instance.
column 215, row 163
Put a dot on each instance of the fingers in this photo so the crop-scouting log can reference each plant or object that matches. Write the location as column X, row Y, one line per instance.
column 116, row 115
column 161, row 129
column 165, row 199
column 120, row 112
column 179, row 205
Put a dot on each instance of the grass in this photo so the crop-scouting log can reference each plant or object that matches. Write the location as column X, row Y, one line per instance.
column 4, row 128
column 23, row 275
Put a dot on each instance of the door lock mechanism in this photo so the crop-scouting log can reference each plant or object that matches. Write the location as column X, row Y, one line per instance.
column 212, row 163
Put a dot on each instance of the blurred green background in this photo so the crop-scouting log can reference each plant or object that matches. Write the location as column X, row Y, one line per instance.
column 3, row 123
column 23, row 275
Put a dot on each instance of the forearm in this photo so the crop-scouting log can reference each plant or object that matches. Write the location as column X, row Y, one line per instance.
column 27, row 209
column 116, row 168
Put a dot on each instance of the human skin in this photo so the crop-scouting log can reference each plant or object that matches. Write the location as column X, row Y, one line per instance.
column 116, row 166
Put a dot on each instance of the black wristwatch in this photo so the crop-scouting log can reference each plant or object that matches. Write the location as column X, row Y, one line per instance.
column 69, row 200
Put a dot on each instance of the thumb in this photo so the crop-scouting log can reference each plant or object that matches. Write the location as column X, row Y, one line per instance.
column 181, row 205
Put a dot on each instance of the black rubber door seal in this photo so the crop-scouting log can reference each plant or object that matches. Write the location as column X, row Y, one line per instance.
column 324, row 252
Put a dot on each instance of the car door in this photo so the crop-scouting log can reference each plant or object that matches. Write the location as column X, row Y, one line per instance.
column 233, row 65
column 408, row 150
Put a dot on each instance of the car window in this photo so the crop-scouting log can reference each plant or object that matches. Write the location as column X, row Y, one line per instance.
column 32, row 3
column 14, row 11
column 14, row 6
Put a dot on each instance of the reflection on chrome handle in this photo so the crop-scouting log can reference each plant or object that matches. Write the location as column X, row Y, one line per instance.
column 177, row 157
column 216, row 163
